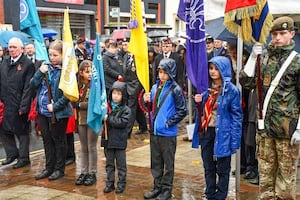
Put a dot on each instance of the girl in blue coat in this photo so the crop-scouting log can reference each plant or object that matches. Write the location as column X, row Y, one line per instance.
column 221, row 127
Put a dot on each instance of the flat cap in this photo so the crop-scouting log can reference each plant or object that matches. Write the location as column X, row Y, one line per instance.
column 283, row 23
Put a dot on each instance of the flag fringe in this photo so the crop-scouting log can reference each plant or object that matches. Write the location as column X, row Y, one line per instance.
column 244, row 14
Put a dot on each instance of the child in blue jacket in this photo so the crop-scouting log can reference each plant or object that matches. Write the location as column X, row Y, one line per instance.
column 221, row 127
column 167, row 110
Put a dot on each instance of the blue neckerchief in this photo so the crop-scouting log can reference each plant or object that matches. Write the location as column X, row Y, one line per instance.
column 51, row 69
column 114, row 106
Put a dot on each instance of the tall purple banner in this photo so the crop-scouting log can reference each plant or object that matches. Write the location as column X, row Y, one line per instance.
column 192, row 13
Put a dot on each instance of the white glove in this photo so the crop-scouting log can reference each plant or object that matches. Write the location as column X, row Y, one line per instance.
column 295, row 137
column 44, row 68
column 249, row 68
column 257, row 49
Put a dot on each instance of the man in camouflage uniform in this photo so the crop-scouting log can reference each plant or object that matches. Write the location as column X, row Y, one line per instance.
column 278, row 142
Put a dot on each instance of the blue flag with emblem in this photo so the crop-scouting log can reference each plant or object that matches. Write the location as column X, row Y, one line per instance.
column 30, row 24
column 192, row 13
column 97, row 104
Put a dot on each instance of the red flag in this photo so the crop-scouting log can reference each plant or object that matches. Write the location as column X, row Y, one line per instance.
column 252, row 17
column 239, row 4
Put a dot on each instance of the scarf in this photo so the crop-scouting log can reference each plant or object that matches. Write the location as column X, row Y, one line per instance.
column 210, row 105
column 156, row 102
column 116, row 107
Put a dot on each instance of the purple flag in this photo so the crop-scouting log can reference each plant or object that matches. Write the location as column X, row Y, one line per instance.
column 192, row 13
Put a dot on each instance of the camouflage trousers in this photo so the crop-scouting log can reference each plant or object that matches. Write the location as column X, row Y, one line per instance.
column 277, row 168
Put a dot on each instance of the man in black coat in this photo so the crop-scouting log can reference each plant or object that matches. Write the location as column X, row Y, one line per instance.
column 30, row 53
column 112, row 65
column 133, row 88
column 167, row 53
column 15, row 92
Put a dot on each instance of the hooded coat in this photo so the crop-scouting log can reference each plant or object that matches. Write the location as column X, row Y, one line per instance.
column 229, row 113
column 173, row 109
column 117, row 121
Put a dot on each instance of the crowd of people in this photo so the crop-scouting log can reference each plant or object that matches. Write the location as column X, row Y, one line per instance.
column 269, row 144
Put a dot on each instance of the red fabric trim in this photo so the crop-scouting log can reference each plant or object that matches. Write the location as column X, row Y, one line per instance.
column 71, row 126
column 235, row 4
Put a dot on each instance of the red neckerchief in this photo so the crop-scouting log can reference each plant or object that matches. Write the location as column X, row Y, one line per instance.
column 209, row 106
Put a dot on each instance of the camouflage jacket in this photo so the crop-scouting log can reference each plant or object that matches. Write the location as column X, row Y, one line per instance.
column 283, row 109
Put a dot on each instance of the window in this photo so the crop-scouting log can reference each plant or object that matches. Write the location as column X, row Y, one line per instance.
column 153, row 6
column 114, row 3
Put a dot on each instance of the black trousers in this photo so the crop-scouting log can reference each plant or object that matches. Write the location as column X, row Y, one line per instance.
column 54, row 139
column 163, row 151
column 117, row 156
column 10, row 145
column 132, row 104
column 70, row 147
column 141, row 118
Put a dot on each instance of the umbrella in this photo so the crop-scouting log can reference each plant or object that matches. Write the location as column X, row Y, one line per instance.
column 48, row 33
column 120, row 34
column 157, row 33
column 217, row 30
column 5, row 36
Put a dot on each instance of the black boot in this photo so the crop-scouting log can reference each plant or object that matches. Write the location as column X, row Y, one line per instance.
column 255, row 181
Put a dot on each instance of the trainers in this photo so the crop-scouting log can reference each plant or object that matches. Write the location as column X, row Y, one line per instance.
column 90, row 179
column 80, row 180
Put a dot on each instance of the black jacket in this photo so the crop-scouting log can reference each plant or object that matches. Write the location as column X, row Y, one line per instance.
column 130, row 77
column 16, row 94
column 113, row 67
column 117, row 121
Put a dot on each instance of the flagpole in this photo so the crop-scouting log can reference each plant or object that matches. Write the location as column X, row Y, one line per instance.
column 98, row 24
column 239, row 66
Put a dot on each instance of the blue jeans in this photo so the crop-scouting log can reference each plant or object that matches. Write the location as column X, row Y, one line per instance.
column 214, row 167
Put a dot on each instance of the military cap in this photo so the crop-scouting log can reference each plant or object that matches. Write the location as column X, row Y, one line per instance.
column 283, row 23
column 209, row 39
column 80, row 40
column 166, row 40
column 126, row 40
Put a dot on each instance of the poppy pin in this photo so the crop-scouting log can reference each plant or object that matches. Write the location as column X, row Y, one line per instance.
column 19, row 68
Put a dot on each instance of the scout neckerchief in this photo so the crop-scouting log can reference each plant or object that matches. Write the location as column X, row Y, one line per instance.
column 83, row 92
column 209, row 106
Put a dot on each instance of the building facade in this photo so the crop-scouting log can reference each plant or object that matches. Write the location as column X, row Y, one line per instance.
column 160, row 14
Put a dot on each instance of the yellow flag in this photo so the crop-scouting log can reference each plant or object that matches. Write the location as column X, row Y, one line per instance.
column 68, row 80
column 138, row 45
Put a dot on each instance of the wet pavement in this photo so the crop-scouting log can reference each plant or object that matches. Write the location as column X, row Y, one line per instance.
column 189, row 182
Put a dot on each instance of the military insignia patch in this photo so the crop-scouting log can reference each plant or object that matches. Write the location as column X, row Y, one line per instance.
column 284, row 25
